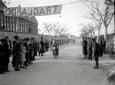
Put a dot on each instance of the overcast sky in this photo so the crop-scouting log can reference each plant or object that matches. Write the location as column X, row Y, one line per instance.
column 71, row 15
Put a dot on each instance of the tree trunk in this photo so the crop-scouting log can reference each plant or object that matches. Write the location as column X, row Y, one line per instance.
column 49, row 38
column 98, row 34
column 105, row 35
column 114, row 28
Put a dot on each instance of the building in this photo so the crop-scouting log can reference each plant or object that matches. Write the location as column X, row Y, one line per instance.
column 17, row 24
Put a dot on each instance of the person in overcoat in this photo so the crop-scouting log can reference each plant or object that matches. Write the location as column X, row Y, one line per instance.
column 2, row 56
column 84, row 47
column 46, row 45
column 7, row 48
column 89, row 49
column 96, row 53
column 16, row 51
column 31, row 52
column 102, row 43
column 22, row 54
column 41, row 46
column 26, row 44
column 35, row 49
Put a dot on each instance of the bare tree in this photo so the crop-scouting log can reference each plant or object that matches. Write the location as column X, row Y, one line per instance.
column 84, row 32
column 88, row 30
column 48, row 29
column 101, row 16
column 59, row 29
column 92, row 29
column 95, row 17
column 107, row 17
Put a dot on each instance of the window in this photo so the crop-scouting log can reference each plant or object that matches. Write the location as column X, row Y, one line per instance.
column 13, row 23
column 1, row 15
column 0, row 19
column 17, row 24
column 8, row 23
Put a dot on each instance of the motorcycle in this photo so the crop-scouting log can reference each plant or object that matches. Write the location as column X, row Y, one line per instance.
column 55, row 51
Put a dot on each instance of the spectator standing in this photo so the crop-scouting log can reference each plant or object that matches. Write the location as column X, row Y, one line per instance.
column 15, row 52
column 22, row 54
column 84, row 47
column 7, row 47
column 96, row 53
column 35, row 49
column 31, row 51
column 41, row 46
column 103, row 46
column 38, row 48
column 2, row 55
column 46, row 43
column 89, row 49
column 26, row 44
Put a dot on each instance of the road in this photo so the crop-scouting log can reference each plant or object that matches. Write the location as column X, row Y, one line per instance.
column 68, row 69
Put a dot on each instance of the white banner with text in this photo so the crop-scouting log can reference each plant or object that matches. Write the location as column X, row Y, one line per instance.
column 33, row 11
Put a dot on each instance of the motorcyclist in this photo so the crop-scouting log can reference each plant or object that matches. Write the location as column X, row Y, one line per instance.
column 55, row 48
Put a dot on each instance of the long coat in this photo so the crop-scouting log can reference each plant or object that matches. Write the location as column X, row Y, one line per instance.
column 22, row 53
column 16, row 53
column 96, row 49
column 7, row 52
column 41, row 46
column 31, row 52
column 2, row 54
column 35, row 48
column 89, row 48
column 26, row 44
column 84, row 47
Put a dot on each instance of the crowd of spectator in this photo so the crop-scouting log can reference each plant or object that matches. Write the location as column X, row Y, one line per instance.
column 93, row 49
column 21, row 51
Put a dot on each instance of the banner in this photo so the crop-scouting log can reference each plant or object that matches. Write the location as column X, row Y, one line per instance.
column 33, row 11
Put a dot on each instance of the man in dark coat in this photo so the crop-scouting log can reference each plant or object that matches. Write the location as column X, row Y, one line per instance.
column 103, row 46
column 2, row 56
column 41, row 46
column 16, row 46
column 84, row 47
column 31, row 52
column 89, row 49
column 46, row 45
column 96, row 53
column 35, row 49
column 7, row 47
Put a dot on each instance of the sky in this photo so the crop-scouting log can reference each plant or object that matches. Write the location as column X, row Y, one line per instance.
column 72, row 14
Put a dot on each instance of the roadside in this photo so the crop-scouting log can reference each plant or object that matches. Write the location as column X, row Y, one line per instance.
column 107, row 63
